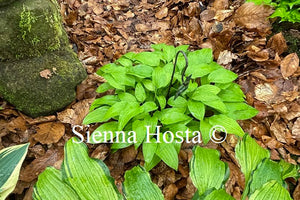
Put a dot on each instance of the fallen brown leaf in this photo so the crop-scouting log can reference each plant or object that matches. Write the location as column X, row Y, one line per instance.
column 289, row 65
column 49, row 132
column 46, row 74
column 254, row 17
column 277, row 43
column 163, row 12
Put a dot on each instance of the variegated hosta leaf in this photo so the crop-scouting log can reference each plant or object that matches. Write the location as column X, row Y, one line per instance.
column 50, row 186
column 207, row 171
column 11, row 159
column 88, row 177
column 271, row 190
column 138, row 186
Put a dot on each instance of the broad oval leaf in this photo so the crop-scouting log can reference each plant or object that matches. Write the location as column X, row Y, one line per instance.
column 210, row 99
column 85, row 175
column 97, row 115
column 140, row 92
column 200, row 56
column 197, row 109
column 138, row 185
column 11, row 159
column 172, row 115
column 160, row 77
column 222, row 76
column 167, row 152
column 219, row 195
column 240, row 111
column 148, row 58
column 206, row 169
column 229, row 124
column 141, row 71
column 249, row 154
column 271, row 190
column 50, row 186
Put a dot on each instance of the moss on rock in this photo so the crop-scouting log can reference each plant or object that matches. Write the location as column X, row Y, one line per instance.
column 22, row 85
column 30, row 28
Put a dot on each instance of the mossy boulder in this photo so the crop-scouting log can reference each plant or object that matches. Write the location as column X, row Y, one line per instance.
column 22, row 85
column 38, row 70
column 30, row 28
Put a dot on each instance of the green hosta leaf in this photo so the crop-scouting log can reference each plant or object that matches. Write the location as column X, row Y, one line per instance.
column 162, row 101
column 11, row 159
column 208, row 88
column 200, row 56
column 85, row 175
column 222, row 76
column 205, row 127
column 132, row 109
column 139, row 127
column 124, row 61
column 249, row 154
column 206, row 169
column 149, row 85
column 140, row 92
column 97, row 115
column 141, row 71
column 232, row 94
column 160, row 77
column 219, row 195
column 149, row 106
column 240, row 111
column 138, row 185
column 183, row 48
column 266, row 171
column 51, row 186
column 229, row 124
column 271, row 190
column 130, row 55
column 104, row 133
column 106, row 100
column 113, row 82
column 167, row 152
column 124, row 96
column 168, row 51
column 179, row 102
column 155, row 160
column 210, row 99
column 116, row 109
column 200, row 70
column 171, row 116
column 289, row 170
column 104, row 87
column 148, row 58
column 149, row 149
column 197, row 109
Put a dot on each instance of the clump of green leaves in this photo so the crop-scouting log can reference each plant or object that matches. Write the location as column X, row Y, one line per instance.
column 264, row 178
column 144, row 96
column 287, row 10
column 84, row 178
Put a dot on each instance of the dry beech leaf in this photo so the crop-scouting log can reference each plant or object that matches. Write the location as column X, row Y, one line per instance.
column 226, row 57
column 259, row 56
column 142, row 28
column 296, row 129
column 49, row 132
column 46, row 74
column 277, row 43
column 220, row 4
column 278, row 130
column 163, row 12
column 253, row 16
column 37, row 166
column 265, row 92
column 289, row 65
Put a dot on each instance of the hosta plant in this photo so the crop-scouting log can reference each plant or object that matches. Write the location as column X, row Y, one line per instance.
column 85, row 178
column 287, row 10
column 169, row 90
column 264, row 178
column 11, row 159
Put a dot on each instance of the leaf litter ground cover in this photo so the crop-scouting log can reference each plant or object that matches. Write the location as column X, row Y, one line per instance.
column 240, row 37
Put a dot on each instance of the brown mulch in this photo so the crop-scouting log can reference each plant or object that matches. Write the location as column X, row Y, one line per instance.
column 103, row 30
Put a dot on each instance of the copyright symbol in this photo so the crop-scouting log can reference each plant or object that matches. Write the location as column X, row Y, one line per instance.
column 218, row 134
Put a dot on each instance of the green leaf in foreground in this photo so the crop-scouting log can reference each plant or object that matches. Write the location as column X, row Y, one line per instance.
column 50, row 187
column 229, row 124
column 85, row 175
column 138, row 185
column 271, row 190
column 249, row 154
column 206, row 169
column 219, row 195
column 11, row 159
